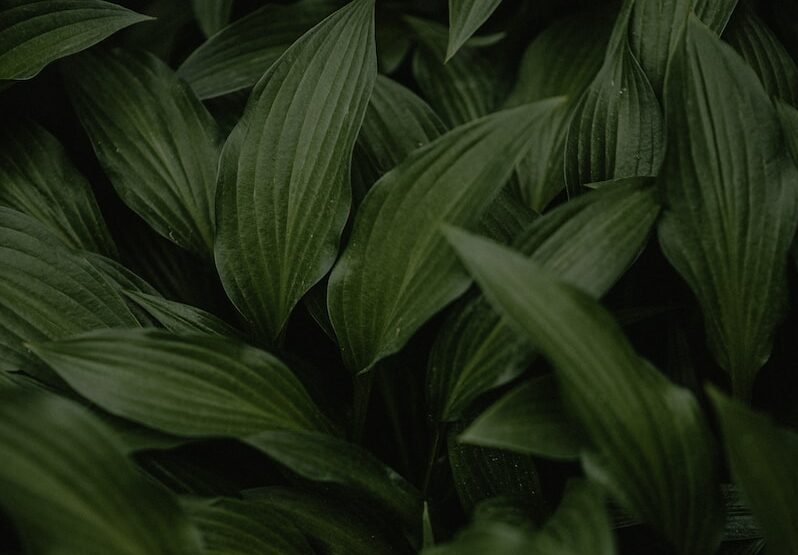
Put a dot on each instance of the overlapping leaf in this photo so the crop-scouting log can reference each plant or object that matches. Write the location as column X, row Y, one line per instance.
column 33, row 34
column 46, row 291
column 212, row 15
column 70, row 489
column 191, row 385
column 653, row 451
column 465, row 17
column 237, row 56
column 732, row 200
column 155, row 140
column 397, row 271
column 181, row 318
column 284, row 176
column 589, row 242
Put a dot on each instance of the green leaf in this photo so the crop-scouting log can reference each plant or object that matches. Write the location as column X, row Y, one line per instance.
column 529, row 419
column 235, row 527
column 37, row 178
column 397, row 270
column 651, row 448
column 467, row 87
column 284, row 175
column 762, row 459
column 339, row 528
column 465, row 17
column 70, row 489
column 181, row 318
column 788, row 118
column 46, row 291
column 212, row 15
column 589, row 242
column 33, row 34
column 617, row 130
column 155, row 140
column 238, row 55
column 328, row 459
column 195, row 385
column 732, row 200
column 761, row 49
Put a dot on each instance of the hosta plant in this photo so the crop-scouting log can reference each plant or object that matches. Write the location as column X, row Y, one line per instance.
column 360, row 277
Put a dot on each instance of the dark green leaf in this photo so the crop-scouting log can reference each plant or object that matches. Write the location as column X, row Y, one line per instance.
column 181, row 318
column 325, row 458
column 651, row 448
column 284, row 176
column 732, row 200
column 33, row 34
column 196, row 385
column 762, row 460
column 237, row 56
column 37, row 178
column 465, row 17
column 397, row 270
column 70, row 489
column 155, row 140
column 212, row 15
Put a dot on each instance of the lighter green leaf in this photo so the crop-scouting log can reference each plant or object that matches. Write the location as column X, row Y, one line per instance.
column 212, row 15
column 397, row 270
column 530, row 419
column 237, row 56
column 35, row 33
column 651, row 448
column 70, row 489
column 284, row 176
column 465, row 17
column 46, row 291
column 325, row 458
column 235, row 527
column 731, row 191
column 181, row 318
column 154, row 139
column 588, row 242
column 37, row 178
column 762, row 459
column 193, row 385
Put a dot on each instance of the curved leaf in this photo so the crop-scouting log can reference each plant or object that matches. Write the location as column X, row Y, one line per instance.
column 155, row 140
column 47, row 292
column 181, row 318
column 196, row 385
column 465, row 17
column 33, row 34
column 237, row 56
column 732, row 200
column 326, row 458
column 589, row 242
column 762, row 460
column 70, row 489
column 37, row 178
column 284, row 174
column 651, row 448
column 212, row 15
column 397, row 271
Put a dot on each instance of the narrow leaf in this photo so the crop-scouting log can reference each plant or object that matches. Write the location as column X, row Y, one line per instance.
column 181, row 318
column 284, row 175
column 652, row 449
column 397, row 271
column 732, row 200
column 33, row 34
column 196, row 385
column 212, row 15
column 155, row 140
column 465, row 17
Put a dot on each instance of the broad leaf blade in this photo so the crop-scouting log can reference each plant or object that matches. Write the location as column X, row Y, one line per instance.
column 397, row 271
column 237, row 56
column 652, row 448
column 155, row 140
column 37, row 178
column 328, row 459
column 465, row 17
column 196, row 385
column 66, row 482
column 732, row 200
column 284, row 176
column 33, row 34
column 762, row 460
